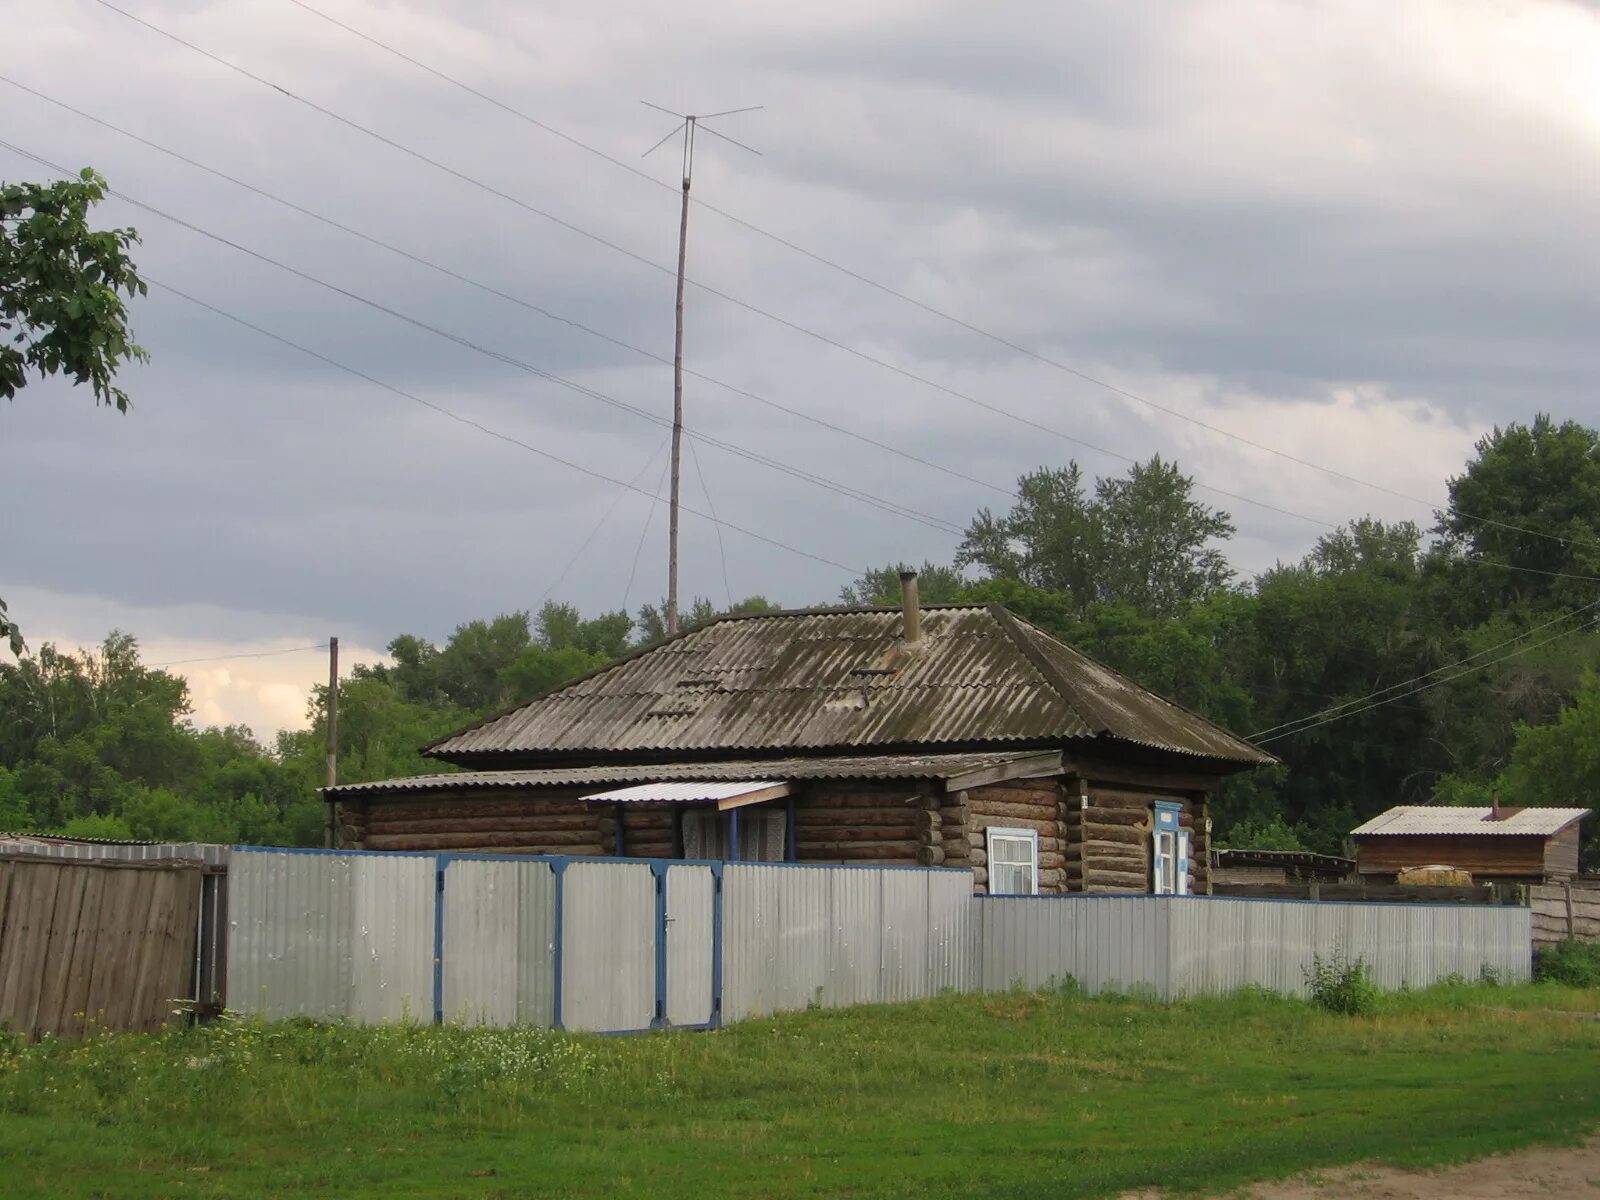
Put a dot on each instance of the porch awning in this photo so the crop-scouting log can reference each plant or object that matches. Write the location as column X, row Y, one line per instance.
column 722, row 794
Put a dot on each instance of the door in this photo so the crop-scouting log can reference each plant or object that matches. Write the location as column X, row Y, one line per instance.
column 691, row 898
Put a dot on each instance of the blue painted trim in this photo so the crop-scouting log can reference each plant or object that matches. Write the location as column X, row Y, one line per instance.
column 440, row 863
column 733, row 835
column 1113, row 897
column 791, row 849
column 567, row 859
column 716, row 946
column 559, row 867
column 830, row 866
column 659, row 870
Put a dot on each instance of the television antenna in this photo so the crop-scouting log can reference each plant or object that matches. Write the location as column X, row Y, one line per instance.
column 688, row 125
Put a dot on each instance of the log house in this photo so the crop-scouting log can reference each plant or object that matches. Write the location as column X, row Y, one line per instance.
column 955, row 736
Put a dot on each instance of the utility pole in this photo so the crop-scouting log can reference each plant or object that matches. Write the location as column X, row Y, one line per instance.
column 690, row 123
column 330, row 831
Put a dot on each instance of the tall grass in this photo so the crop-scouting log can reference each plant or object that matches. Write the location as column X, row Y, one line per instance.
column 1025, row 1093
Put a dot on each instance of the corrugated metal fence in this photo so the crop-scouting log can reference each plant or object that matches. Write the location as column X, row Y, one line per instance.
column 603, row 945
column 1175, row 946
column 615, row 945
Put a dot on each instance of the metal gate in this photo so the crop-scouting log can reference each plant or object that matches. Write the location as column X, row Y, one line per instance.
column 689, row 945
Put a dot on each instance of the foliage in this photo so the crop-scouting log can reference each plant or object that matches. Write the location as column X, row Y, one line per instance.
column 1269, row 833
column 893, row 1101
column 1569, row 962
column 880, row 588
column 1531, row 500
column 1141, row 541
column 61, row 286
column 1341, row 986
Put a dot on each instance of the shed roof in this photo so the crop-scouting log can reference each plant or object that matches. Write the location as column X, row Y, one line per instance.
column 872, row 766
column 837, row 679
column 1419, row 820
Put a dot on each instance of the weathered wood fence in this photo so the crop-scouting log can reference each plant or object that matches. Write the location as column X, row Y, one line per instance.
column 1566, row 910
column 95, row 944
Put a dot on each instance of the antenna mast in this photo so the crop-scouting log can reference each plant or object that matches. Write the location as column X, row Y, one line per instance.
column 690, row 123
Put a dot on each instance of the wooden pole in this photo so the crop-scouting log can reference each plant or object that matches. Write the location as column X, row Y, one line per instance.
column 677, row 385
column 330, row 838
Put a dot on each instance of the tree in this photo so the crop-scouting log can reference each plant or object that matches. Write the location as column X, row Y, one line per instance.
column 1141, row 541
column 881, row 587
column 1558, row 765
column 61, row 306
column 652, row 619
column 1531, row 500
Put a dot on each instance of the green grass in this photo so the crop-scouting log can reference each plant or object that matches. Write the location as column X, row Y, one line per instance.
column 1026, row 1094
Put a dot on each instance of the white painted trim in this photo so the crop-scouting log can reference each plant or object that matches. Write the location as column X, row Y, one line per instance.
column 1031, row 836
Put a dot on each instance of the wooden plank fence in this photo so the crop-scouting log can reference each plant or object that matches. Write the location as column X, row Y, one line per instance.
column 1566, row 910
column 96, row 944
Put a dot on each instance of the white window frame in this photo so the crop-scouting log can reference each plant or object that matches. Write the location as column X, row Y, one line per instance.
column 1169, row 851
column 1031, row 836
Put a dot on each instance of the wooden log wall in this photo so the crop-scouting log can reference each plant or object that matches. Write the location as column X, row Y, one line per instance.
column 889, row 824
column 95, row 944
column 1016, row 804
column 1108, row 840
column 473, row 821
column 1514, row 856
column 1570, row 909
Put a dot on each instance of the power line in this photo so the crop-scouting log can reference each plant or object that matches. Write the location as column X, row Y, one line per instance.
column 722, row 550
column 183, row 662
column 1335, row 708
column 644, row 533
column 784, row 467
column 707, row 288
column 491, row 290
column 604, row 517
column 482, row 428
column 930, row 309
column 1464, row 663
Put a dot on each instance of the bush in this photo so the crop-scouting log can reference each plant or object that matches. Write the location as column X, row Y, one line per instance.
column 1339, row 985
column 1571, row 962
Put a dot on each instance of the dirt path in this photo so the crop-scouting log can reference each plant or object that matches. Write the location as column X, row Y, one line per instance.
column 1540, row 1172
column 1524, row 1175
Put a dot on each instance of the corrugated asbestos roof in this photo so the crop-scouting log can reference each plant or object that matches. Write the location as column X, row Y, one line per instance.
column 873, row 766
column 1522, row 822
column 844, row 678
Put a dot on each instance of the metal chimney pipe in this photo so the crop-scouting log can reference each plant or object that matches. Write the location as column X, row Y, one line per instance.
column 911, row 607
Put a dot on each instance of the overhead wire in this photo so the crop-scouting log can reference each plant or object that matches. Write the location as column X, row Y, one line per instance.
column 644, row 533
column 491, row 290
column 663, row 268
column 1378, row 699
column 722, row 550
column 905, row 297
column 184, row 662
column 598, row 525
column 784, row 467
column 485, row 429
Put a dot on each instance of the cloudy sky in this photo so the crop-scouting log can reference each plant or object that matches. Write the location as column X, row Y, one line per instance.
column 1358, row 234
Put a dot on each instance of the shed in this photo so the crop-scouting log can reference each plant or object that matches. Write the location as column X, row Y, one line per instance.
column 1519, row 845
column 955, row 735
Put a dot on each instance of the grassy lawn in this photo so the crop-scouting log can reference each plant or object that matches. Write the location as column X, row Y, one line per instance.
column 1035, row 1094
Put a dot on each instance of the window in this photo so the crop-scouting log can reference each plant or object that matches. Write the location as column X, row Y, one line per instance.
column 1170, row 859
column 705, row 834
column 1013, row 862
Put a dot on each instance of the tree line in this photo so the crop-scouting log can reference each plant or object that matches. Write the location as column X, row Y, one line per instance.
column 1388, row 665
column 1391, row 664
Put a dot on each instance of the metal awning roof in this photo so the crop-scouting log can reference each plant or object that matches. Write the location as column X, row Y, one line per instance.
column 1413, row 820
column 705, row 791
